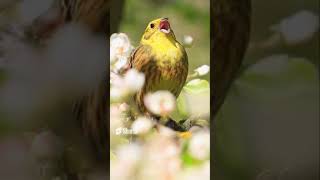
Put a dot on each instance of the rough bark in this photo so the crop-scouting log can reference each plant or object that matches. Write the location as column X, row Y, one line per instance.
column 230, row 22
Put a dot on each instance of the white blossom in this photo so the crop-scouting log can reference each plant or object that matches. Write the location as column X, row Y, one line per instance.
column 188, row 40
column 167, row 132
column 130, row 153
column 161, row 158
column 117, row 93
column 134, row 80
column 121, row 63
column 124, row 107
column 127, row 158
column 142, row 125
column 160, row 103
column 202, row 70
column 120, row 47
column 199, row 146
column 121, row 87
column 114, row 78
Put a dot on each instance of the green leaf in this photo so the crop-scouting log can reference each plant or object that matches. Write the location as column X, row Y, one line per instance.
column 182, row 111
column 189, row 161
column 193, row 88
column 186, row 158
column 197, row 86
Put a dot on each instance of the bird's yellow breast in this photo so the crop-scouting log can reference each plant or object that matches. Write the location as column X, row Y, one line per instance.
column 166, row 50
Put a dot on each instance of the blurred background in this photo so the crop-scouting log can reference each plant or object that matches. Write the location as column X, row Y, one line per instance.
column 268, row 127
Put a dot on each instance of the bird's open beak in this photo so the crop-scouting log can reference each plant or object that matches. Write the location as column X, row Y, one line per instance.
column 164, row 26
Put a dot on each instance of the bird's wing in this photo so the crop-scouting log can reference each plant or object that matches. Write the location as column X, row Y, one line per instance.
column 139, row 60
column 139, row 57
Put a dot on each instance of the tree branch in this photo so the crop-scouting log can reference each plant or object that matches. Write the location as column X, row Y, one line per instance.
column 230, row 35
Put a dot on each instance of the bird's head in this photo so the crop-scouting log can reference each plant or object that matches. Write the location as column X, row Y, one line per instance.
column 158, row 29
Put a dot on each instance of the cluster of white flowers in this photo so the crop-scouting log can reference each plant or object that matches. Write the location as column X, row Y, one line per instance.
column 132, row 81
column 121, row 87
column 120, row 50
column 128, row 157
column 160, row 158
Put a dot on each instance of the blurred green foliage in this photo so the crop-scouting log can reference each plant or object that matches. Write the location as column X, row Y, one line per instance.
column 269, row 121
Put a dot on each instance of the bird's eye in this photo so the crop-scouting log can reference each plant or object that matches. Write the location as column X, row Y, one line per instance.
column 152, row 25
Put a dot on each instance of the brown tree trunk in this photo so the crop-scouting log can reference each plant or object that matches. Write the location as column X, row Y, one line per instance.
column 230, row 22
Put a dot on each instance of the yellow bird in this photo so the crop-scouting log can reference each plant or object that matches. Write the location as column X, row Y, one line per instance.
column 162, row 59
